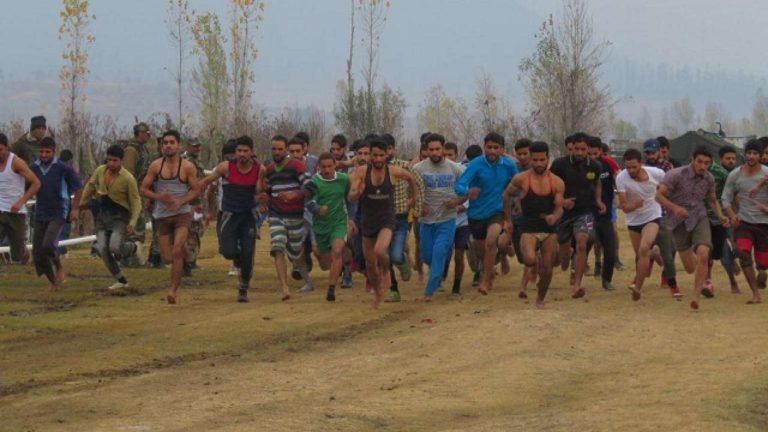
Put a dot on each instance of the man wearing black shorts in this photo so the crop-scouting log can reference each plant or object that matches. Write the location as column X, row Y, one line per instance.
column 583, row 196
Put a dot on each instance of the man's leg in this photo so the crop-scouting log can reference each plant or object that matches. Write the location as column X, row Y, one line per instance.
column 490, row 250
column 337, row 250
column 178, row 254
column 667, row 248
column 15, row 230
column 745, row 243
column 548, row 251
column 644, row 241
column 442, row 240
column 246, row 247
column 580, row 263
column 607, row 238
column 278, row 243
column 527, row 254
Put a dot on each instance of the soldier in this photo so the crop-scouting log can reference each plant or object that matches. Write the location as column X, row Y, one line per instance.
column 28, row 146
column 198, row 227
column 136, row 160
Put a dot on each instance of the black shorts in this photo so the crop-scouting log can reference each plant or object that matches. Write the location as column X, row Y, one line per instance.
column 479, row 227
column 639, row 228
column 461, row 237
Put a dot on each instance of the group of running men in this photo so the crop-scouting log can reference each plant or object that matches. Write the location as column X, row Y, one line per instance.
column 353, row 208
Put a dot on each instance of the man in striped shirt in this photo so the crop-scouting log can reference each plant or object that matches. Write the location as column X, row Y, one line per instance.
column 287, row 189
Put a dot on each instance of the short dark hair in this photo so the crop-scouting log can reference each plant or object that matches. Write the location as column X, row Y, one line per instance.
column 663, row 142
column 378, row 143
column 763, row 141
column 424, row 136
column 66, row 155
column 539, row 147
column 356, row 144
column 3, row 139
column 389, row 139
column 606, row 149
column 304, row 137
column 701, row 151
column 473, row 151
column 493, row 136
column 633, row 154
column 435, row 137
column 282, row 138
column 595, row 142
column 297, row 140
column 244, row 140
column 340, row 140
column 580, row 137
column 522, row 143
column 370, row 136
column 452, row 146
column 173, row 133
column 568, row 140
column 48, row 142
column 325, row 156
column 115, row 150
column 229, row 147
column 730, row 149
column 751, row 145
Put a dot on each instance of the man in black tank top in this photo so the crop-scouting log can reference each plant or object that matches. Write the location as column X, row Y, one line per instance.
column 374, row 187
column 541, row 202
column 162, row 184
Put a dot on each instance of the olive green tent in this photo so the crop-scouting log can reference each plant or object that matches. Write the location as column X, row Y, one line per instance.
column 681, row 147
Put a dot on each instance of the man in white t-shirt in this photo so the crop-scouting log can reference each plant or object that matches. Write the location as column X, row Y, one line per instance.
column 637, row 186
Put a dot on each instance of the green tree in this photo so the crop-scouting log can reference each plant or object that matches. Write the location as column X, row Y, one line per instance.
column 179, row 22
column 245, row 18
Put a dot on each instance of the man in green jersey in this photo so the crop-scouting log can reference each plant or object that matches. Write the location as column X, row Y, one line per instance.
column 331, row 223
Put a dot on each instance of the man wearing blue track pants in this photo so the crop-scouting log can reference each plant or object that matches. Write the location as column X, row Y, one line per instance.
column 437, row 224
column 483, row 182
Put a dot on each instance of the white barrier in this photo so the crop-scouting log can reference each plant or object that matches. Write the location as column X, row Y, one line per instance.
column 68, row 242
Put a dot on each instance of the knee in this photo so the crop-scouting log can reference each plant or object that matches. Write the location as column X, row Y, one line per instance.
column 643, row 250
column 177, row 253
column 581, row 246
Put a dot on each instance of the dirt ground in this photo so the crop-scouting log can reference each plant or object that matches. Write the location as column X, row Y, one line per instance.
column 86, row 359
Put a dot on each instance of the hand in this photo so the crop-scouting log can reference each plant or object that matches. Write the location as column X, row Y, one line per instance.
column 322, row 211
column 724, row 221
column 634, row 205
column 680, row 212
column 460, row 209
column 762, row 207
column 74, row 214
column 411, row 203
column 601, row 207
column 351, row 228
column 568, row 203
column 753, row 193
column 262, row 198
column 450, row 203
column 473, row 193
column 550, row 219
column 17, row 206
column 165, row 197
column 287, row 196
column 508, row 226
column 173, row 204
column 197, row 209
column 735, row 221
column 129, row 229
column 424, row 211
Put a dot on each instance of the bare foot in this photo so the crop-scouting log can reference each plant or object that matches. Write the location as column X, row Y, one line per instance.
column 427, row 299
column 60, row 277
column 694, row 305
column 482, row 289
column 754, row 300
column 378, row 297
column 286, row 297
column 579, row 293
column 522, row 295
column 735, row 289
column 635, row 295
column 171, row 298
column 541, row 305
column 53, row 288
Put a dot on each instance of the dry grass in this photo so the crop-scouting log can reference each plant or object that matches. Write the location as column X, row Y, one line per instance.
column 88, row 360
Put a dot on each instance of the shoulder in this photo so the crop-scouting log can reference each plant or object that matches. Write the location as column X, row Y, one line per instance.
column 418, row 166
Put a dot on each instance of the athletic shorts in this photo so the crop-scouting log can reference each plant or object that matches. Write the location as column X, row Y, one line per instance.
column 479, row 227
column 699, row 236
column 568, row 228
column 639, row 228
column 461, row 237
column 168, row 225
column 323, row 241
column 749, row 236
column 286, row 236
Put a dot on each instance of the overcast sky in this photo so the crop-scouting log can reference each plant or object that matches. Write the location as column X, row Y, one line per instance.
column 303, row 43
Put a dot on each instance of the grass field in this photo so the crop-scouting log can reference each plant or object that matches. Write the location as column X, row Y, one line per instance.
column 85, row 359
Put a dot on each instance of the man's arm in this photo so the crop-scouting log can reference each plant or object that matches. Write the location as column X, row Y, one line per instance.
column 715, row 206
column 149, row 179
column 90, row 188
column 557, row 213
column 599, row 193
column 356, row 185
column 135, row 202
column 507, row 197
column 404, row 174
column 462, row 185
column 220, row 170
column 662, row 196
column 194, row 184
column 728, row 194
column 20, row 167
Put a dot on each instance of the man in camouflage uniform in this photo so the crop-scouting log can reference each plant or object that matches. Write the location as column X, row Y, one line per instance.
column 198, row 221
column 28, row 146
column 138, row 156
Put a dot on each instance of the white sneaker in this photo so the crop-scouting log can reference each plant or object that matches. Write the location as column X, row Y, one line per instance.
column 140, row 254
column 117, row 285
column 234, row 271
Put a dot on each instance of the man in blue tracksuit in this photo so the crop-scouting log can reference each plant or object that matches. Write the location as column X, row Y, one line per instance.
column 483, row 183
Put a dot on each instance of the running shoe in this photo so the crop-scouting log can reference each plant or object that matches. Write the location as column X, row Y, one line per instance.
column 393, row 297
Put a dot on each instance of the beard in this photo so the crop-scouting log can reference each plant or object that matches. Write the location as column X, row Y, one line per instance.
column 436, row 159
column 278, row 159
column 539, row 170
column 378, row 165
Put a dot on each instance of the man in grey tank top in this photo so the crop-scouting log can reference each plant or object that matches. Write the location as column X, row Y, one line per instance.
column 171, row 183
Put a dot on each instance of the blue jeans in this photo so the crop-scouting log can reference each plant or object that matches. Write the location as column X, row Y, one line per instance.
column 436, row 243
column 399, row 236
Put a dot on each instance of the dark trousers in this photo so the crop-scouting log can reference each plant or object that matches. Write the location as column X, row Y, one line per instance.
column 45, row 243
column 237, row 242
column 606, row 237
